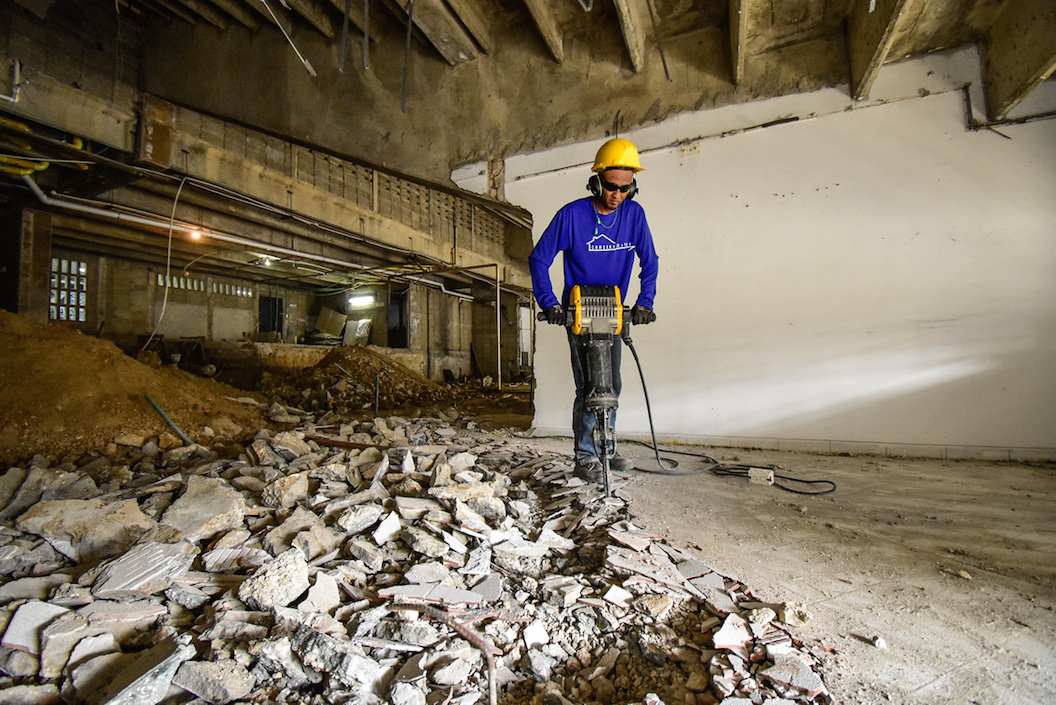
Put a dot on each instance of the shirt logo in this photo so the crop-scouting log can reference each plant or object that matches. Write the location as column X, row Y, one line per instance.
column 603, row 243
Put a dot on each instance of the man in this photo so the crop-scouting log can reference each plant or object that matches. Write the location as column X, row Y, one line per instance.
column 598, row 237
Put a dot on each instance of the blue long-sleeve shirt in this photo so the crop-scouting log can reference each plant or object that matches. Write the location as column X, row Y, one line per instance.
column 595, row 254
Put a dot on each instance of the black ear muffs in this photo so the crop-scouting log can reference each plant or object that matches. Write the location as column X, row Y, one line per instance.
column 594, row 186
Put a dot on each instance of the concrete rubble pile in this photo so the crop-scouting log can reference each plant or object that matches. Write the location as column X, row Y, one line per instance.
column 353, row 378
column 397, row 561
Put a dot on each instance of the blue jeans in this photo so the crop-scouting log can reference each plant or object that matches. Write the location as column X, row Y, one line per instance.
column 583, row 421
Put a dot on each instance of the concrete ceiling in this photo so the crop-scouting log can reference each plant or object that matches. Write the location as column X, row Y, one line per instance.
column 481, row 80
column 1017, row 39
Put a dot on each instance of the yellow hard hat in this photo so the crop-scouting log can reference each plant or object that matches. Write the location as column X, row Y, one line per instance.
column 617, row 153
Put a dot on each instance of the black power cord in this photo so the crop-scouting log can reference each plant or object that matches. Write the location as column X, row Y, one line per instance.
column 721, row 469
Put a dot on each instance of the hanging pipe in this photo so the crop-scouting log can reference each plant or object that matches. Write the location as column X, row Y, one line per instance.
column 16, row 83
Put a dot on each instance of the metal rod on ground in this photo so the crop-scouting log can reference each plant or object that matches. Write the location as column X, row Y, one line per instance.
column 377, row 378
column 184, row 438
column 406, row 57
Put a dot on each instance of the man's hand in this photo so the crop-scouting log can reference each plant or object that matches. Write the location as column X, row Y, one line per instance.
column 555, row 315
column 640, row 315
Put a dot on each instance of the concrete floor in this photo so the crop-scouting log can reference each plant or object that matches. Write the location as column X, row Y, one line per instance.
column 951, row 563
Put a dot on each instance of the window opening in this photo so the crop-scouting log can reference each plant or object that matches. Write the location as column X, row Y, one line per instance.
column 68, row 293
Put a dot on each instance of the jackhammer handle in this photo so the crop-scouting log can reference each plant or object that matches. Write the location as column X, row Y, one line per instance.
column 569, row 316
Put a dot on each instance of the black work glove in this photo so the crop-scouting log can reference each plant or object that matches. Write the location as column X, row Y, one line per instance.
column 555, row 315
column 640, row 315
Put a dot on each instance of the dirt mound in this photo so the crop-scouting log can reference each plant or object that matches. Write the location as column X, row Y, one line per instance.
column 63, row 392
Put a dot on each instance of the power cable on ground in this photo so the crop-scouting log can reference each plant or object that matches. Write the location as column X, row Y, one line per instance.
column 719, row 468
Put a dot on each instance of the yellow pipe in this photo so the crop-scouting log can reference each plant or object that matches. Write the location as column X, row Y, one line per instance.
column 5, row 122
column 32, row 165
column 15, row 170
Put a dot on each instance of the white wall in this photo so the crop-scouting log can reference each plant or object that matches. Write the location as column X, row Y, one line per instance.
column 872, row 279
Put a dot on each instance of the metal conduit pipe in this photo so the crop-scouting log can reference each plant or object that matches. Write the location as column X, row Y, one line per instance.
column 182, row 227
column 16, row 82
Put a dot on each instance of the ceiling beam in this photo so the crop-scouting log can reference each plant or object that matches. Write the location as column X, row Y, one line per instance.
column 356, row 16
column 631, row 14
column 547, row 24
column 209, row 13
column 738, row 37
column 443, row 30
column 259, row 7
column 316, row 14
column 473, row 19
column 178, row 10
column 1018, row 54
column 870, row 34
column 237, row 9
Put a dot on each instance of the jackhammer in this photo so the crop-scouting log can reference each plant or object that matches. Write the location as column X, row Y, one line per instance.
column 596, row 316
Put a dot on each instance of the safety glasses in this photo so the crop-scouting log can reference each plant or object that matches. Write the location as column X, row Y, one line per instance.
column 609, row 186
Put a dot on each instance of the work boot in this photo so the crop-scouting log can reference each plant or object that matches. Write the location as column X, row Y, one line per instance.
column 620, row 463
column 589, row 469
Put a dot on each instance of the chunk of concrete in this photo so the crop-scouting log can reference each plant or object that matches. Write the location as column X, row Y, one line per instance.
column 793, row 672
column 28, row 621
column 143, row 570
column 277, row 656
column 317, row 541
column 337, row 659
column 34, row 588
column 280, row 539
column 207, row 507
column 39, row 482
column 47, row 694
column 388, row 529
column 734, row 633
column 216, row 682
column 356, row 519
column 84, row 530
column 144, row 678
column 424, row 542
column 234, row 560
column 323, row 595
column 286, row 491
column 122, row 619
column 277, row 583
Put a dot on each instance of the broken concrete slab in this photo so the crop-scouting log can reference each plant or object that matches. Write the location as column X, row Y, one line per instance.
column 431, row 593
column 323, row 596
column 33, row 588
column 207, row 507
column 144, row 678
column 47, row 694
column 734, row 633
column 143, row 570
column 216, row 682
column 28, row 621
column 796, row 674
column 84, row 530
